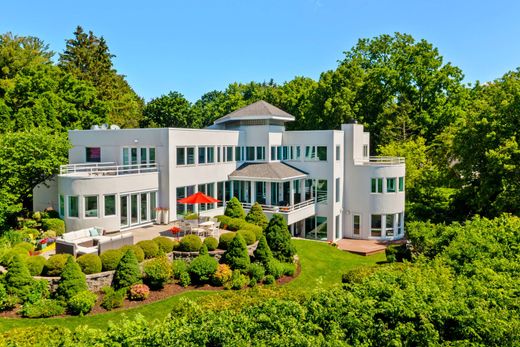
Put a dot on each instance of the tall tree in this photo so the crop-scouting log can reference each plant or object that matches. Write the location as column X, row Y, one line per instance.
column 171, row 110
column 88, row 57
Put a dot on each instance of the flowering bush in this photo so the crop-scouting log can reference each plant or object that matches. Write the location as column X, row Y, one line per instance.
column 175, row 230
column 222, row 275
column 139, row 292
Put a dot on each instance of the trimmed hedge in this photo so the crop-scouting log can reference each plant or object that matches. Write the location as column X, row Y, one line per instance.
column 149, row 247
column 190, row 243
column 89, row 263
column 211, row 243
column 110, row 259
column 82, row 303
column 248, row 236
column 54, row 224
column 157, row 272
column 165, row 244
column 235, row 224
column 55, row 264
column 138, row 251
column 225, row 239
column 35, row 265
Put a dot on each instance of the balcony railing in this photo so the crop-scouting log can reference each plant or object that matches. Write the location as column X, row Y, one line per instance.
column 384, row 161
column 283, row 209
column 106, row 169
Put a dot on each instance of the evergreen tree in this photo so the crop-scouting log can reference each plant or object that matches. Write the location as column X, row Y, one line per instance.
column 127, row 271
column 237, row 256
column 18, row 279
column 234, row 209
column 204, row 250
column 72, row 280
column 88, row 57
column 279, row 239
column 256, row 216
column 262, row 252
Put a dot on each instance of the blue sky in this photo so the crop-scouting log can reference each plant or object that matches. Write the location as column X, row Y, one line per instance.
column 197, row 46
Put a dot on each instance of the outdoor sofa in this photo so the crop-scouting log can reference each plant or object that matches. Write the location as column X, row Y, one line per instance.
column 91, row 241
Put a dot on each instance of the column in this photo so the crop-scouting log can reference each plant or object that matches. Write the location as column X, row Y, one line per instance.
column 291, row 193
column 252, row 192
column 268, row 193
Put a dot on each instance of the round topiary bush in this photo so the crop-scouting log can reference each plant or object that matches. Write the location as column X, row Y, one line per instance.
column 82, row 303
column 157, row 272
column 110, row 259
column 225, row 239
column 248, row 236
column 190, row 243
column 164, row 243
column 35, row 265
column 55, row 264
column 211, row 243
column 202, row 268
column 55, row 224
column 149, row 247
column 138, row 292
column 29, row 247
column 89, row 263
column 138, row 251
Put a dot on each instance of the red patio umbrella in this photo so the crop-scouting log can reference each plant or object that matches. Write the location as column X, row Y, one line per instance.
column 198, row 198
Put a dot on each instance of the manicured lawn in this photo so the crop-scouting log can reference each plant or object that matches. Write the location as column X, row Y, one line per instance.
column 322, row 266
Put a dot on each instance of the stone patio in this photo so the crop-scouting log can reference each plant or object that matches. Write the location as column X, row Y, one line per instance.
column 151, row 231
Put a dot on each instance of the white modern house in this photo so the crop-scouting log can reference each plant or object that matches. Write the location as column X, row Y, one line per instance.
column 323, row 182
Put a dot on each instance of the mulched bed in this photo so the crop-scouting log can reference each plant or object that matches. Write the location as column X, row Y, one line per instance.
column 169, row 290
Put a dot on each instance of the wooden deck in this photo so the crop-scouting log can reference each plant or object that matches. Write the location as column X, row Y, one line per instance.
column 365, row 247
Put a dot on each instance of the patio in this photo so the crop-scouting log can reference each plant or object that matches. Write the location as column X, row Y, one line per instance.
column 151, row 231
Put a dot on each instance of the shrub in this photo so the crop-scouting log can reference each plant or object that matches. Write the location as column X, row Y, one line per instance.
column 256, row 216
column 191, row 216
column 275, row 268
column 190, row 243
column 176, row 245
column 72, row 280
column 139, row 254
column 248, row 236
column 127, row 271
column 397, row 253
column 50, row 213
column 256, row 272
column 269, row 279
column 279, row 239
column 82, row 303
column 157, row 272
column 234, row 209
column 237, row 256
column 234, row 224
column 29, row 247
column 222, row 275
column 358, row 274
column 110, row 259
column 150, row 248
column 54, row 224
column 262, row 252
column 138, row 292
column 112, row 298
column 35, row 265
column 18, row 280
column 7, row 301
column 37, row 216
column 202, row 268
column 203, row 250
column 39, row 290
column 165, row 244
column 89, row 263
column 225, row 239
column 8, row 255
column 42, row 308
column 238, row 281
column 211, row 243
column 185, row 279
column 55, row 264
column 179, row 266
column 289, row 269
column 49, row 234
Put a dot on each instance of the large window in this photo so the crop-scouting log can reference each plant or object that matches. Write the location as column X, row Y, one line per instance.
column 202, row 155
column 375, row 227
column 260, row 153
column 401, row 184
column 238, row 153
column 190, row 155
column 144, row 155
column 183, row 192
column 310, row 152
column 123, row 207
column 181, row 156
column 285, row 153
column 390, row 185
column 93, row 154
column 356, row 227
column 389, row 230
column 73, row 210
column 211, row 155
column 218, row 154
column 273, row 153
column 321, row 191
column 338, row 152
column 144, row 207
column 322, row 153
column 338, row 190
column 229, row 153
column 297, row 153
column 91, row 206
column 110, row 205
column 151, row 155
column 153, row 205
column 376, row 185
column 250, row 153
column 62, row 206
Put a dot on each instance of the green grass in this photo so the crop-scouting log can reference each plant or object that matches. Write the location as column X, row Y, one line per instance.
column 322, row 266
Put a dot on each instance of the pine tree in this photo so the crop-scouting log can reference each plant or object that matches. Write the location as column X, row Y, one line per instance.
column 237, row 256
column 72, row 280
column 18, row 280
column 234, row 209
column 262, row 252
column 256, row 216
column 127, row 271
column 279, row 239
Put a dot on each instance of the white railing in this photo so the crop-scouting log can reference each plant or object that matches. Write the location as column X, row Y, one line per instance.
column 107, row 169
column 282, row 209
column 385, row 161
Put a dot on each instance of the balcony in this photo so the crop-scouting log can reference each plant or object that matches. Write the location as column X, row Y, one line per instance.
column 106, row 169
column 291, row 213
column 384, row 161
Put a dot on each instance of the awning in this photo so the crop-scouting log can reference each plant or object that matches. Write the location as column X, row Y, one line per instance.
column 277, row 172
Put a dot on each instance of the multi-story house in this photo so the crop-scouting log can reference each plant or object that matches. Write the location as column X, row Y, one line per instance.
column 323, row 182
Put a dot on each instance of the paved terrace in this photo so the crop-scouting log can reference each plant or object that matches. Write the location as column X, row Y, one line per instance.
column 365, row 247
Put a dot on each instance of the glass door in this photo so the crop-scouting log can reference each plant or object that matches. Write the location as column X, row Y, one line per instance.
column 144, row 207
column 134, row 218
column 123, row 210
